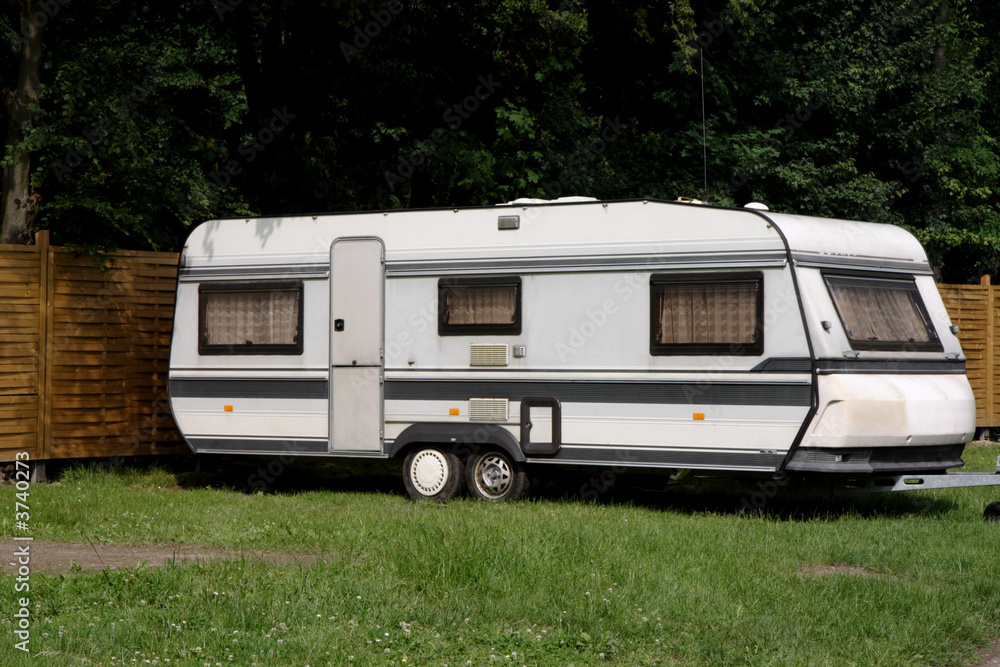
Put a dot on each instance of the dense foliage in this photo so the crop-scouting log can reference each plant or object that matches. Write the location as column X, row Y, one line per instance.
column 154, row 116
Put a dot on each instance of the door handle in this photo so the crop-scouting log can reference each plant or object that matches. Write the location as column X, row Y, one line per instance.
column 338, row 325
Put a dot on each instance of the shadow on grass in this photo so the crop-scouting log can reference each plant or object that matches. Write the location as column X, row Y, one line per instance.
column 722, row 496
column 241, row 474
column 272, row 475
column 751, row 497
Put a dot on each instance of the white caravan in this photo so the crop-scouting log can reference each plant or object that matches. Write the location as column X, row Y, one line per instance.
column 645, row 334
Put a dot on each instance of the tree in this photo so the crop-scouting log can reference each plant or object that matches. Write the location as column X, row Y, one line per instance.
column 153, row 117
column 19, row 201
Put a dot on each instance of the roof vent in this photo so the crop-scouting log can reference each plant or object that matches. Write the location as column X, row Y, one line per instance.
column 757, row 206
column 688, row 200
column 528, row 201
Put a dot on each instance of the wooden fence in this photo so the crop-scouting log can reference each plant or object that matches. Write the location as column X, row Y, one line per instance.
column 84, row 352
column 976, row 310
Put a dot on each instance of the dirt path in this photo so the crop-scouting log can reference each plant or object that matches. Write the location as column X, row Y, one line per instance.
column 58, row 557
column 992, row 658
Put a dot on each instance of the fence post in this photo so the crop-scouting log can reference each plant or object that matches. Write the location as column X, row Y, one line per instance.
column 990, row 328
column 44, row 351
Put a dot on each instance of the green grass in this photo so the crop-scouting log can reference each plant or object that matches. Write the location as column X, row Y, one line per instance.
column 637, row 579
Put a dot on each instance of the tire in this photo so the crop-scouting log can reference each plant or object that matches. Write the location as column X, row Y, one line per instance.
column 494, row 476
column 430, row 473
column 992, row 512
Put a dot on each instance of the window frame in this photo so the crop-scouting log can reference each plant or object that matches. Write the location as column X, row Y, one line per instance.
column 295, row 348
column 934, row 345
column 449, row 283
column 754, row 349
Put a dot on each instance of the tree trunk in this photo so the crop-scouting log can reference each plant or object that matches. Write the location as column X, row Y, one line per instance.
column 17, row 201
column 941, row 52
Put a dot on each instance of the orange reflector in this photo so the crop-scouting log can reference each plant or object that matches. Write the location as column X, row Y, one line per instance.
column 453, row 411
column 227, row 408
column 698, row 415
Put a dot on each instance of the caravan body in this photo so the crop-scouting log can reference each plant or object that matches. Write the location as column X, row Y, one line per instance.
column 622, row 333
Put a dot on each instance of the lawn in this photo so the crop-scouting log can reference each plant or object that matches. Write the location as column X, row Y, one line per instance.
column 641, row 577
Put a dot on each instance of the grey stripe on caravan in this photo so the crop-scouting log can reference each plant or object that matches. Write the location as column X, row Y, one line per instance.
column 633, row 456
column 784, row 365
column 256, row 445
column 660, row 392
column 315, row 270
column 707, row 260
column 820, row 261
column 255, row 388
column 891, row 366
column 502, row 264
column 665, row 392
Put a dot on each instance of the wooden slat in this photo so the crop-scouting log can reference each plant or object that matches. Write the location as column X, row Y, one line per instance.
column 21, row 291
column 969, row 308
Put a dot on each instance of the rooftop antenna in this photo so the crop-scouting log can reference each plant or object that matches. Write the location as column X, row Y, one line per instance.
column 704, row 139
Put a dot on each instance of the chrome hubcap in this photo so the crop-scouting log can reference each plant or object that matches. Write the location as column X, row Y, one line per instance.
column 493, row 475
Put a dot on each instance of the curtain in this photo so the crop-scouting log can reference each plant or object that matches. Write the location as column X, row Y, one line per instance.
column 487, row 304
column 886, row 311
column 707, row 314
column 251, row 318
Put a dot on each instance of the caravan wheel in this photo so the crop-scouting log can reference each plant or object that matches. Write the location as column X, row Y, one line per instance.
column 433, row 474
column 494, row 476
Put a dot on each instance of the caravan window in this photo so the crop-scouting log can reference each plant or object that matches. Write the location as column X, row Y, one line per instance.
column 707, row 314
column 882, row 313
column 479, row 306
column 250, row 318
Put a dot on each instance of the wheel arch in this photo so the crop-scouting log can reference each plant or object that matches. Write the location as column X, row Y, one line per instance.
column 463, row 439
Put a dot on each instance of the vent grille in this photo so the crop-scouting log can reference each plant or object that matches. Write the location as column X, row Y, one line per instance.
column 488, row 409
column 489, row 354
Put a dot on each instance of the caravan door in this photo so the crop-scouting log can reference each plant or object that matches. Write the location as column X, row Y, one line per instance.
column 357, row 289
